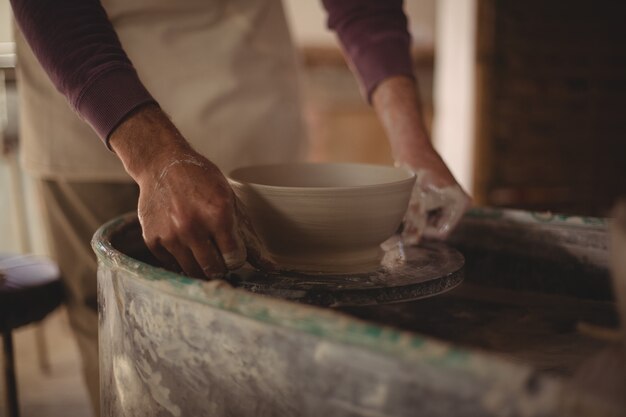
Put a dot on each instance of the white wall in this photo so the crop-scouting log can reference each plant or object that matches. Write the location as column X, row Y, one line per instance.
column 454, row 95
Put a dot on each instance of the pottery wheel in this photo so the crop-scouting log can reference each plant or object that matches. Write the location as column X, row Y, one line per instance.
column 406, row 273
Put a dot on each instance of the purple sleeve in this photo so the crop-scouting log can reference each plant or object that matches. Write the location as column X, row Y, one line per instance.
column 375, row 38
column 79, row 49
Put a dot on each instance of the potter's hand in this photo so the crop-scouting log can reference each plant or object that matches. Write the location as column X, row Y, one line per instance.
column 435, row 207
column 189, row 215
column 437, row 202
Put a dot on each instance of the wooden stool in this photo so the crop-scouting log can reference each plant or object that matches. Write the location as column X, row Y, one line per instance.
column 30, row 288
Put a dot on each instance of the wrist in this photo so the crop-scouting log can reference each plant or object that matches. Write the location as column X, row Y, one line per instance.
column 397, row 105
column 396, row 101
column 146, row 141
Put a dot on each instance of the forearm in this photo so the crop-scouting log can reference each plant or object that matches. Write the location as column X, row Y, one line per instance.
column 375, row 38
column 78, row 48
column 398, row 107
column 147, row 141
column 397, row 104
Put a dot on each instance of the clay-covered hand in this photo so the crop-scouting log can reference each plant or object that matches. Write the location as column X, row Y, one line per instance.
column 190, row 217
column 437, row 202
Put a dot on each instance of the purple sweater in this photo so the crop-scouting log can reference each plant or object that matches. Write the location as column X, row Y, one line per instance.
column 79, row 49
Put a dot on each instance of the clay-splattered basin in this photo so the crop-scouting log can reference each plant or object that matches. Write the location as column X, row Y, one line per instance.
column 324, row 217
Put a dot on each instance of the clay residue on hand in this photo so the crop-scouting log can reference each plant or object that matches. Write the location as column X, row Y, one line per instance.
column 433, row 210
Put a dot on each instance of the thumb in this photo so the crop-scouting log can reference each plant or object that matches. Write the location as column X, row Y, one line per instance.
column 258, row 256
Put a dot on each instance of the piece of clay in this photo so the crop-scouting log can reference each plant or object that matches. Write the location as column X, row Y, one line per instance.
column 326, row 218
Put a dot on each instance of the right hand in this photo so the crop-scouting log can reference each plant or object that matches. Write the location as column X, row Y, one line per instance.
column 189, row 215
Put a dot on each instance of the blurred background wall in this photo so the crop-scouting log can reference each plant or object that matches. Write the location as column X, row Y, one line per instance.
column 342, row 127
column 550, row 108
column 525, row 100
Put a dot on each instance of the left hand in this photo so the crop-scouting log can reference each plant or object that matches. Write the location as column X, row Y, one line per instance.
column 438, row 201
column 435, row 208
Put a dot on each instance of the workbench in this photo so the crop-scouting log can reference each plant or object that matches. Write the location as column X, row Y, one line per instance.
column 532, row 331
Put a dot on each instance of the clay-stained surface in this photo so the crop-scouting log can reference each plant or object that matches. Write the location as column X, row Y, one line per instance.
column 165, row 354
column 537, row 252
column 406, row 273
column 547, row 332
column 171, row 345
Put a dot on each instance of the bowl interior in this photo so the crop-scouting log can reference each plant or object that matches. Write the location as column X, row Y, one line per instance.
column 309, row 175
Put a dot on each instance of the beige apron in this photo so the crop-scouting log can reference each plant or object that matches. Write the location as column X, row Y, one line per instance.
column 224, row 70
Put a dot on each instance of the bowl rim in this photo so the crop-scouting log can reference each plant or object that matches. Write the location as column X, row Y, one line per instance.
column 410, row 179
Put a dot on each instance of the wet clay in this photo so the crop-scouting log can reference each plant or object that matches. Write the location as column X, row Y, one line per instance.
column 324, row 218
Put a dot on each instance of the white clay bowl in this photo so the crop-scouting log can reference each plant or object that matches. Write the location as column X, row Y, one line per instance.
column 324, row 218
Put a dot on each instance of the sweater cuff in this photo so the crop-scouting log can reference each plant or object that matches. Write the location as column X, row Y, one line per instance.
column 110, row 98
column 380, row 61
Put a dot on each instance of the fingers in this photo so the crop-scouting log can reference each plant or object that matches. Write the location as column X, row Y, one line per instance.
column 191, row 222
column 187, row 261
column 192, row 249
column 224, row 226
column 433, row 212
column 198, row 260
column 189, row 246
column 208, row 258
column 443, row 218
column 231, row 247
column 414, row 224
column 163, row 256
column 257, row 255
column 192, row 244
